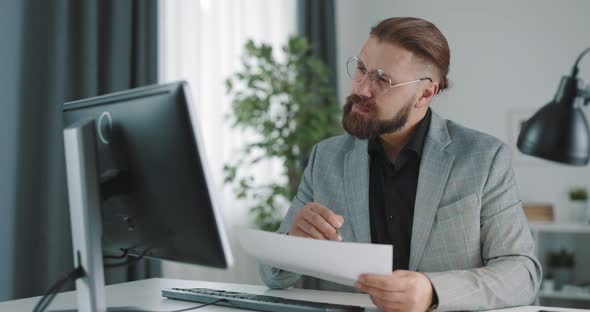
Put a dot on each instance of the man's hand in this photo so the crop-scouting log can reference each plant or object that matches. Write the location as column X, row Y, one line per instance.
column 316, row 221
column 400, row 291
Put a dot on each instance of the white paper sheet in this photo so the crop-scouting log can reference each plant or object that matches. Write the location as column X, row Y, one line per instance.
column 339, row 262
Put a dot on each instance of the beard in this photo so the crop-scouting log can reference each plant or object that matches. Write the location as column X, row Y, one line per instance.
column 363, row 127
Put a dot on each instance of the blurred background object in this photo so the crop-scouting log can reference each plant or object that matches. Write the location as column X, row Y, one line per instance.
column 291, row 106
column 538, row 212
column 579, row 204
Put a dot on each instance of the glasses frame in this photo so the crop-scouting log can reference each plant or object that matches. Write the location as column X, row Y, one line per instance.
column 374, row 73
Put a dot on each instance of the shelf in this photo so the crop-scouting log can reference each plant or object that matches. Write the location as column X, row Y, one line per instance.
column 563, row 295
column 559, row 227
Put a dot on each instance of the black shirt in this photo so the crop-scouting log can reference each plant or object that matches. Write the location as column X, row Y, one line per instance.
column 392, row 193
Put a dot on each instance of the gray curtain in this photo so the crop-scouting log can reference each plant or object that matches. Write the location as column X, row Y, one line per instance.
column 58, row 51
column 316, row 20
column 10, row 27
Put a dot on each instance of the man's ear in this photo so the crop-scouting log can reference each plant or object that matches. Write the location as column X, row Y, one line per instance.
column 427, row 94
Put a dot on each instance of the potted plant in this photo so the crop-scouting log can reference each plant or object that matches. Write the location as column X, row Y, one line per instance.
column 561, row 265
column 290, row 105
column 579, row 204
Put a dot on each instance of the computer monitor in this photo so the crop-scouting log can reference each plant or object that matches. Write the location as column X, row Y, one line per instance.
column 138, row 184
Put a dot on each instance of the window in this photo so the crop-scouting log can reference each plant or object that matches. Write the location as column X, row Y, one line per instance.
column 201, row 42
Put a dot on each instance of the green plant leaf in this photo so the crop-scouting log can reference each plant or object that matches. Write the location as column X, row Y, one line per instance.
column 291, row 105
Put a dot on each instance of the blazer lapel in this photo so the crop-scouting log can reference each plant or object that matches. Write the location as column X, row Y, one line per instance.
column 356, row 188
column 435, row 167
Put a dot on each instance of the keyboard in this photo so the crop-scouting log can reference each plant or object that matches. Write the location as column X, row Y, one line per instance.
column 253, row 302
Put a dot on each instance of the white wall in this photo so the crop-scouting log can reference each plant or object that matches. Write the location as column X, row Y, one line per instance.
column 505, row 56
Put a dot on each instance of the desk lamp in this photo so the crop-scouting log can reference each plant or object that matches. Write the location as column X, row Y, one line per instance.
column 559, row 130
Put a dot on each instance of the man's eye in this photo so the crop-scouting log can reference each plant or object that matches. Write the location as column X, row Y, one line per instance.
column 383, row 78
column 361, row 69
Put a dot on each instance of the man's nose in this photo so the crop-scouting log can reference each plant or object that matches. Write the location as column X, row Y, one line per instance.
column 364, row 87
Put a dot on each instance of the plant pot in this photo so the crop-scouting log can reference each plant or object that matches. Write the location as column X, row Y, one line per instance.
column 562, row 276
column 579, row 211
column 548, row 285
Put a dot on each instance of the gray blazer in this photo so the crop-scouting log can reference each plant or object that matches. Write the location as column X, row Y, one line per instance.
column 469, row 234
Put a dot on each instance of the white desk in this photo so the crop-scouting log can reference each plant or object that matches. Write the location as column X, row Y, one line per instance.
column 146, row 295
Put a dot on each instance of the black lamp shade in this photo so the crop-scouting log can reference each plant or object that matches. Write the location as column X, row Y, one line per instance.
column 559, row 130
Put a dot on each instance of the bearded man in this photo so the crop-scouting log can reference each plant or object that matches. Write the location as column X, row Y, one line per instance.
column 443, row 195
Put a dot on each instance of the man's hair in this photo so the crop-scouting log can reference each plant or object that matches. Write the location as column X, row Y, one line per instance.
column 420, row 37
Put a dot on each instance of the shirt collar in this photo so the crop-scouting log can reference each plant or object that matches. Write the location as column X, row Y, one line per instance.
column 416, row 143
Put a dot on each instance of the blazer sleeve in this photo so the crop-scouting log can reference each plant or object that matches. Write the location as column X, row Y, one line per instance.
column 511, row 274
column 277, row 278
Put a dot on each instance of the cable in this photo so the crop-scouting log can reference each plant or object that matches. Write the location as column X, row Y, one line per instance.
column 126, row 263
column 78, row 272
column 575, row 69
column 48, row 297
column 187, row 309
column 198, row 307
column 125, row 252
column 123, row 255
column 55, row 288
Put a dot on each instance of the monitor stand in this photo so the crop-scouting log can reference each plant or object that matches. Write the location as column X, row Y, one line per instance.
column 84, row 201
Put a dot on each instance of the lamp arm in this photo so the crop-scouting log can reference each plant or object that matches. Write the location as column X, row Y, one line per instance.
column 575, row 69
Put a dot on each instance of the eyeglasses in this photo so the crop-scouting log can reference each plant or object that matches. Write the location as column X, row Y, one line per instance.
column 380, row 81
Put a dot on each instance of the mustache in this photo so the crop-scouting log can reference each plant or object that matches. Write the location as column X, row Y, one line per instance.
column 362, row 101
